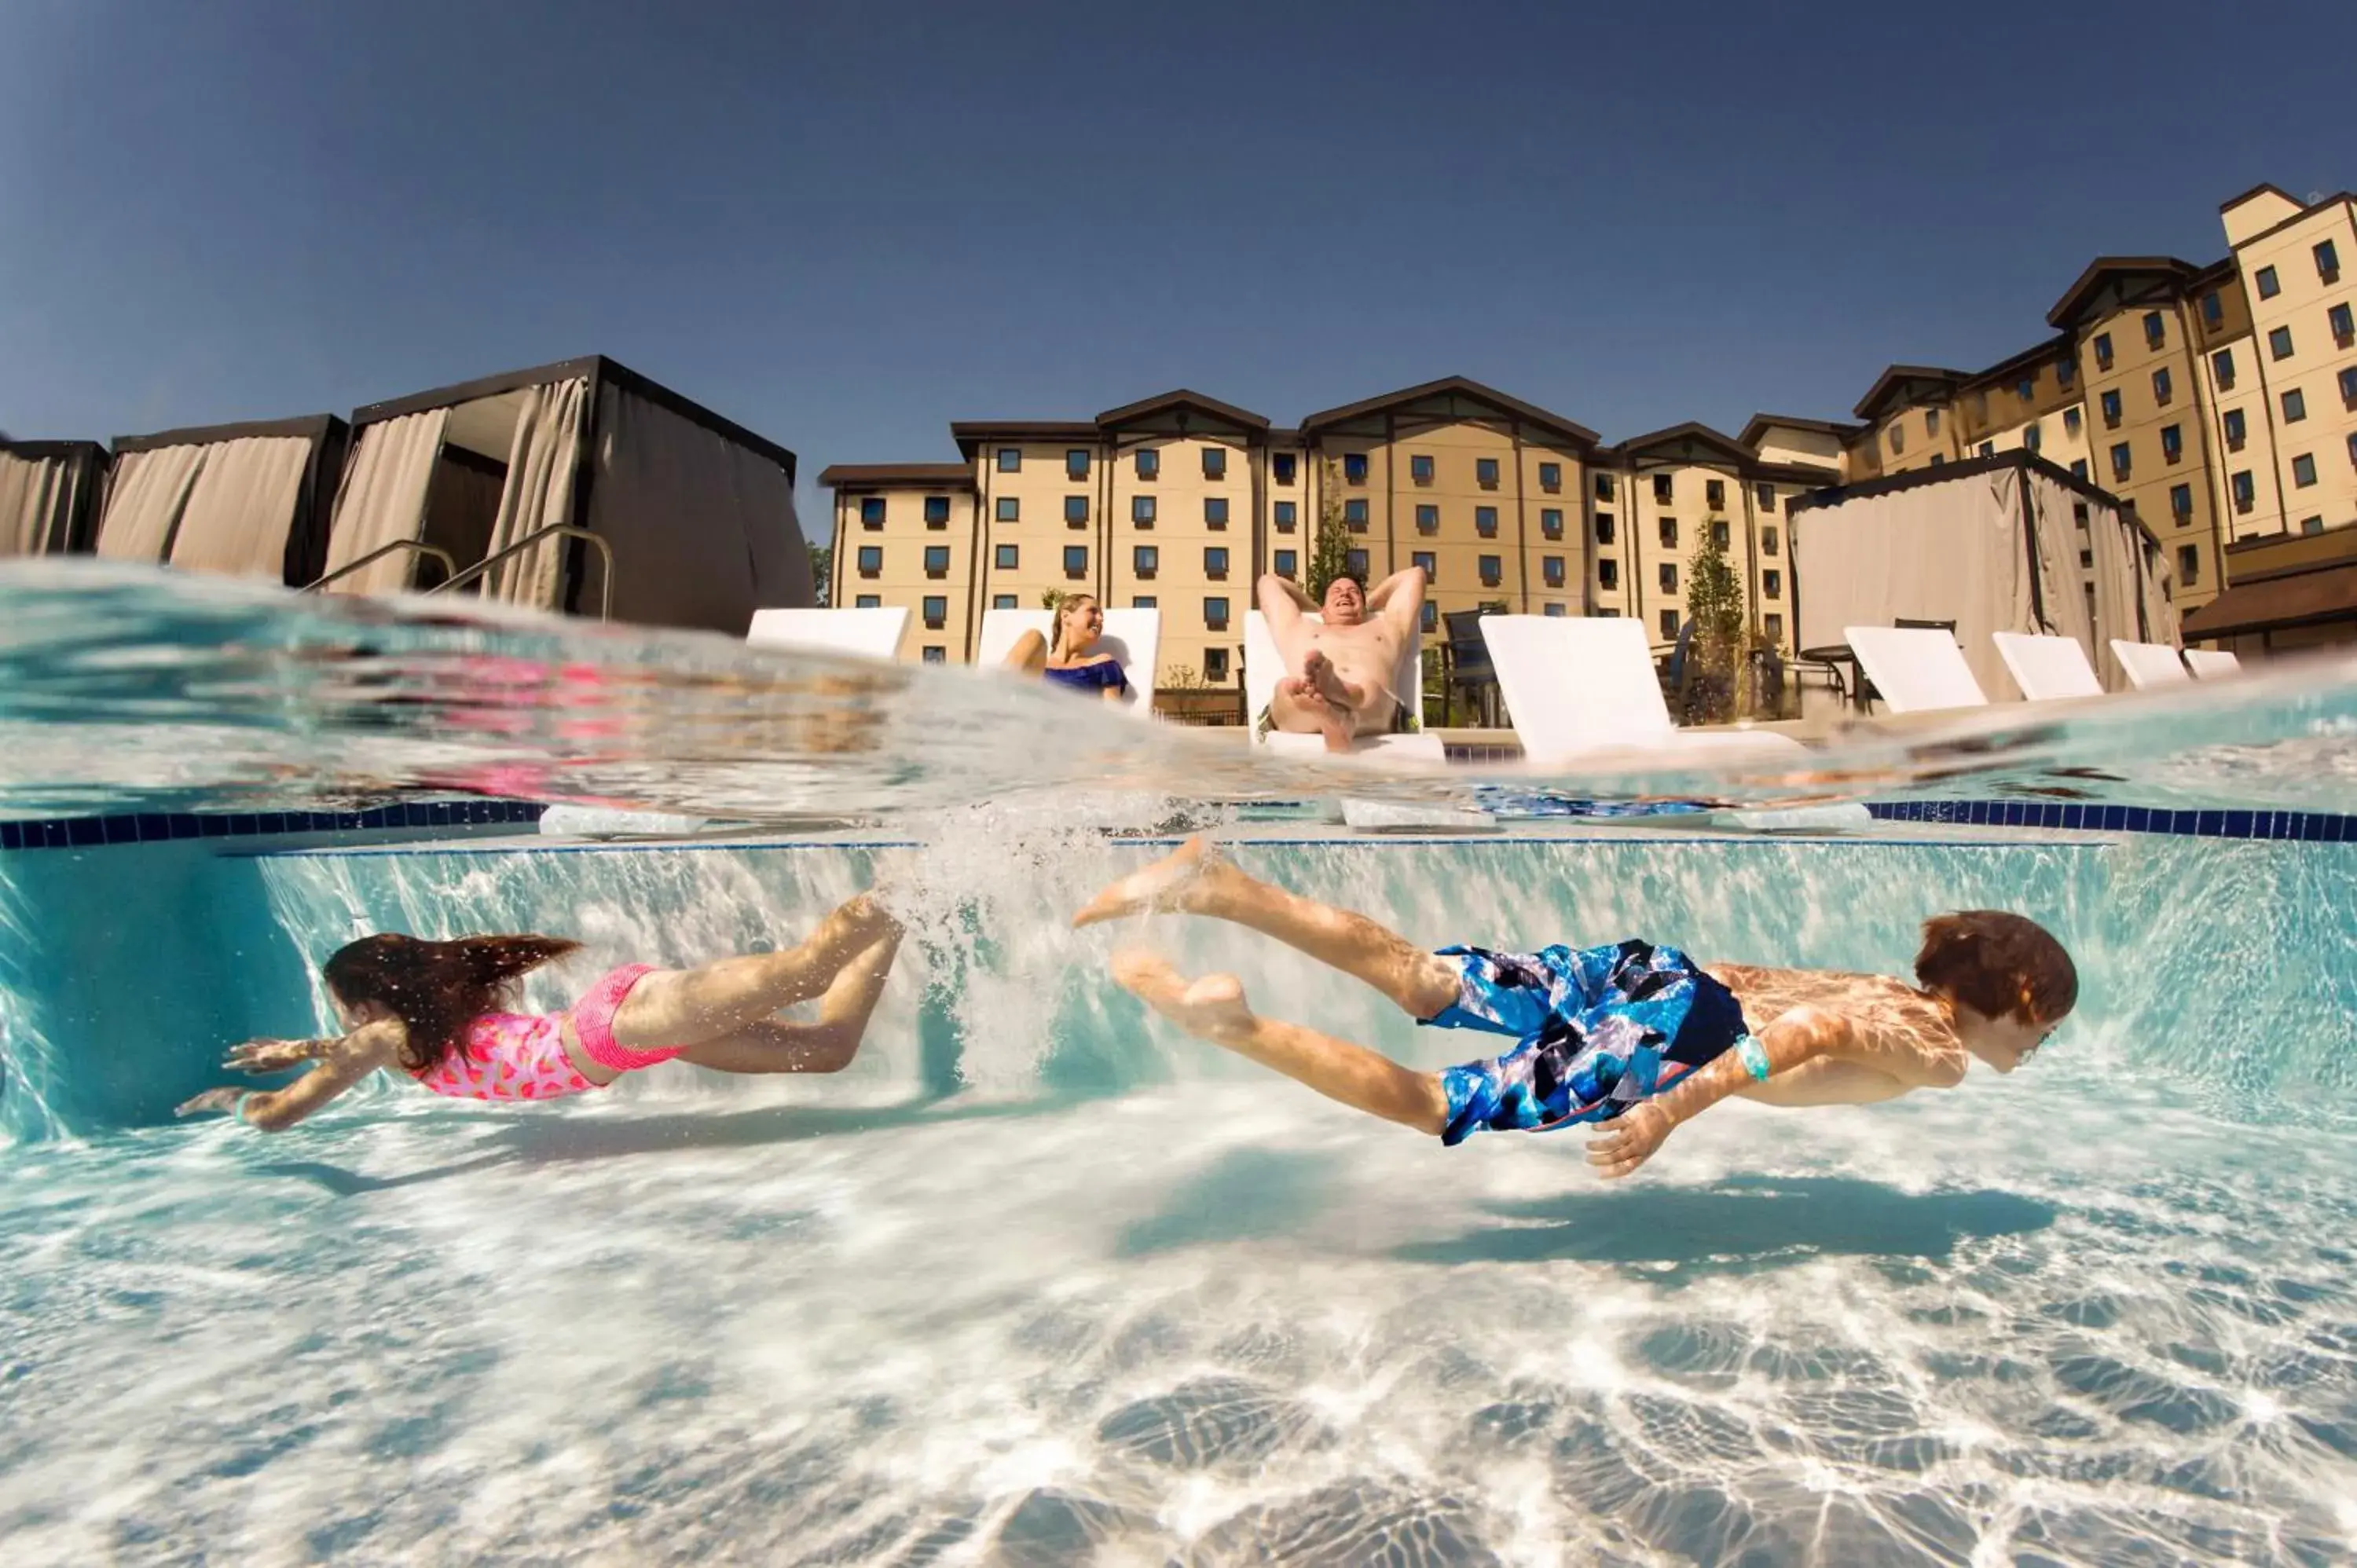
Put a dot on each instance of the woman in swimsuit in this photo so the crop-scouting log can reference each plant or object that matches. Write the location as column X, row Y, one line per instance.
column 432, row 1010
column 1072, row 658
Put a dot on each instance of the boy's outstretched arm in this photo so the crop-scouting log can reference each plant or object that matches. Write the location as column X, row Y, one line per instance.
column 1798, row 1037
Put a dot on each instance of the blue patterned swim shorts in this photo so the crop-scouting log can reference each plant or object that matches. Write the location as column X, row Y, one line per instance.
column 1599, row 1028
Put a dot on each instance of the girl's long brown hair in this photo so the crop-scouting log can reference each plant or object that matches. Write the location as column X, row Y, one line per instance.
column 436, row 988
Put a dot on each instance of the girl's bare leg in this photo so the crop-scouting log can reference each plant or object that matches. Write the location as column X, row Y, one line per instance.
column 1029, row 654
column 1213, row 1008
column 716, row 1001
column 827, row 1046
column 1197, row 882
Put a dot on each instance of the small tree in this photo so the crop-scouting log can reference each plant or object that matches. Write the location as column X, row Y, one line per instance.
column 822, row 568
column 1330, row 552
column 1050, row 599
column 1715, row 650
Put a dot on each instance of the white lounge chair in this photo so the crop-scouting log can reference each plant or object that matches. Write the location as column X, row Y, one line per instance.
column 871, row 633
column 1915, row 670
column 1264, row 667
column 1133, row 637
column 2149, row 663
column 1580, row 685
column 2047, row 667
column 2212, row 663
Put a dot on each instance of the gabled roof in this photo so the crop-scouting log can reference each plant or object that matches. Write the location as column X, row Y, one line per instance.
column 2008, row 369
column 2262, row 189
column 2104, row 270
column 970, row 434
column 894, row 476
column 1760, row 423
column 1458, row 386
column 1180, row 400
column 1683, row 439
column 1901, row 383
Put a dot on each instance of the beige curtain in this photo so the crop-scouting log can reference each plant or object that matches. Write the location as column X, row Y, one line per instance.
column 242, row 507
column 384, row 499
column 2061, row 581
column 40, row 498
column 144, row 506
column 2160, row 623
column 703, row 529
column 540, row 463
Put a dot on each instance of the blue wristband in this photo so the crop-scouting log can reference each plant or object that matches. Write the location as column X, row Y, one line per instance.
column 1754, row 1056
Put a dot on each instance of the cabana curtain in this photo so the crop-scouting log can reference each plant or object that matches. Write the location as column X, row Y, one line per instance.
column 40, row 497
column 384, row 499
column 541, row 462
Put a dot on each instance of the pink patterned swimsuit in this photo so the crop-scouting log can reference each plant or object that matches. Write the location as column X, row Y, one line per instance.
column 513, row 1056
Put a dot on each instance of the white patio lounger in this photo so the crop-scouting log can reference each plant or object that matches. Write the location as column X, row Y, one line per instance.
column 1915, row 670
column 2211, row 664
column 1134, row 636
column 2047, row 667
column 1578, row 685
column 871, row 634
column 2149, row 663
column 1264, row 667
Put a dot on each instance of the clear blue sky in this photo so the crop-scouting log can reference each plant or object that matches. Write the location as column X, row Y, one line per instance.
column 846, row 225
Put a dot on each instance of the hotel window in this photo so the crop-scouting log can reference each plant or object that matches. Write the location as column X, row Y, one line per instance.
column 1603, row 528
column 871, row 511
column 2246, row 493
column 1355, row 563
column 1354, row 467
column 1149, row 463
column 2295, row 406
column 1551, row 571
column 934, row 653
column 2172, row 443
column 1423, row 558
column 937, row 512
column 1604, row 486
column 1661, row 489
column 1288, row 563
column 2213, row 309
column 1355, row 513
column 871, row 560
column 2032, row 437
column 1419, row 469
column 1939, row 458
column 1713, row 494
column 1215, row 613
column 1669, row 626
column 2181, row 503
column 1215, row 665
column 2120, row 460
column 2102, row 350
column 2352, row 447
column 2156, row 330
column 1076, row 511
column 1428, row 616
column 1774, row 625
column 1076, row 560
column 1427, row 518
column 1551, row 521
column 2343, row 328
column 1772, row 584
column 1766, row 495
column 2162, row 387
column 1485, row 472
column 1136, row 602
column 1930, row 421
column 2222, row 365
column 1767, row 542
column 2188, row 564
column 1003, row 601
column 2070, row 421
column 1010, row 459
column 2079, row 515
column 1145, row 560
column 2236, row 430
column 2110, row 402
column 937, row 560
column 1553, row 609
column 1141, row 510
column 2265, row 278
column 1493, row 571
column 1899, row 438
column 1485, row 521
column 1551, row 477
column 1669, row 532
column 1215, row 562
column 2279, row 343
column 1009, row 508
column 2303, row 471
column 2349, row 387
column 1076, row 464
column 1215, row 462
column 2026, row 388
column 2066, row 372
column 1286, row 514
column 1667, row 575
column 868, row 602
column 1005, row 558
column 1608, row 573
column 1281, row 468
column 2078, row 467
column 2313, row 524
column 1215, row 511
column 2328, row 261
column 936, row 609
column 1718, row 532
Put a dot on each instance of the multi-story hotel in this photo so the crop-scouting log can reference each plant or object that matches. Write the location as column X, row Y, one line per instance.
column 2219, row 401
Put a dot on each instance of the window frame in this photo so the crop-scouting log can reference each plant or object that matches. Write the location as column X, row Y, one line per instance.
column 1215, row 573
column 2266, row 281
column 1076, row 573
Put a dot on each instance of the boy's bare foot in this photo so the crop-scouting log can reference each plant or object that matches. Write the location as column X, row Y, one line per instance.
column 1170, row 883
column 1212, row 1008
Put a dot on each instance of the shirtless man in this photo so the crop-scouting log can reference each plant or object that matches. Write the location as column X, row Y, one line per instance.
column 1339, row 676
column 1634, row 1037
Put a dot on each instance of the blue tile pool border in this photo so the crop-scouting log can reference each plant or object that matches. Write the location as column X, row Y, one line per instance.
column 2305, row 827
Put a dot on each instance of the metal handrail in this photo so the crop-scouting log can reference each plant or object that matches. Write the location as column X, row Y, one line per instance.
column 604, row 608
column 449, row 562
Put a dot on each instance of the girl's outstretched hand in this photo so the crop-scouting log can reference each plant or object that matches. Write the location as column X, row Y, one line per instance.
column 1629, row 1140
column 269, row 1056
column 222, row 1100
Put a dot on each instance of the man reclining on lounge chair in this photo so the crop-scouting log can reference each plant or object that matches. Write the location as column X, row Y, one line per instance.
column 1338, row 676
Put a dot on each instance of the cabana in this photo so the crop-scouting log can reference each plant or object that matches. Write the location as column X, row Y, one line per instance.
column 49, row 496
column 688, row 518
column 2009, row 542
column 247, row 500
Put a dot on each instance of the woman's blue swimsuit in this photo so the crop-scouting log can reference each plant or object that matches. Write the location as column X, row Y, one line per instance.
column 1104, row 674
column 1600, row 1029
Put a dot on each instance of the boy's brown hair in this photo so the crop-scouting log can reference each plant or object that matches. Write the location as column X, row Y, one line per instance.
column 1998, row 964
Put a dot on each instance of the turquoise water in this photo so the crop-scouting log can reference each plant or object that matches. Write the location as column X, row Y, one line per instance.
column 1040, row 1281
